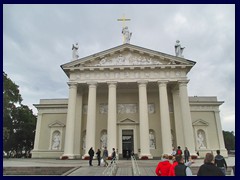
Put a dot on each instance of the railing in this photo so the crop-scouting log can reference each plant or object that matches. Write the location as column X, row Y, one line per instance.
column 111, row 168
column 135, row 168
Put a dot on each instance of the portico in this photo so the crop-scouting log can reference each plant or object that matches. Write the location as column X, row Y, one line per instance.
column 129, row 93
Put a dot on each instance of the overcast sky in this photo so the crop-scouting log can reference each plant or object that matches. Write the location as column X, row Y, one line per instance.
column 37, row 39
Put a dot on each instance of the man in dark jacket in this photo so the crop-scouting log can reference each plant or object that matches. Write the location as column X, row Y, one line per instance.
column 208, row 168
column 91, row 154
column 181, row 169
column 220, row 162
column 98, row 156
column 113, row 155
column 186, row 154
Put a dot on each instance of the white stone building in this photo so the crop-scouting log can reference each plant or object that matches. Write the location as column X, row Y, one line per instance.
column 128, row 98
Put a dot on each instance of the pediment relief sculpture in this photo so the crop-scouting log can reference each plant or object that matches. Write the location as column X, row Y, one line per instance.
column 127, row 60
column 127, row 121
column 200, row 122
column 56, row 124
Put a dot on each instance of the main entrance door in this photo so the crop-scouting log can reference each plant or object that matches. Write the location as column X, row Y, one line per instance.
column 127, row 143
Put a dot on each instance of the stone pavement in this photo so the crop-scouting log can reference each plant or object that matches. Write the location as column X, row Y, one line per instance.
column 81, row 167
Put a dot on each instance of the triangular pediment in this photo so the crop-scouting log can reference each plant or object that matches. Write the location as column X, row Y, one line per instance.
column 56, row 124
column 200, row 122
column 127, row 55
column 127, row 121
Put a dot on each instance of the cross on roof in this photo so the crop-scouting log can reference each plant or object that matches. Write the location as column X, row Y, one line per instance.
column 123, row 19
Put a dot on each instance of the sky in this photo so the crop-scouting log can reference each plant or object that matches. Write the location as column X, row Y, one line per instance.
column 37, row 39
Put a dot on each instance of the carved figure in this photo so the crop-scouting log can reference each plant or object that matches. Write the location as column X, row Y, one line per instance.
column 151, row 140
column 178, row 49
column 126, row 34
column 56, row 141
column 75, row 51
column 104, row 140
column 200, row 140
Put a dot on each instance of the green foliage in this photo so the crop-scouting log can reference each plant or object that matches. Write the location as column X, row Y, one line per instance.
column 18, row 120
column 229, row 140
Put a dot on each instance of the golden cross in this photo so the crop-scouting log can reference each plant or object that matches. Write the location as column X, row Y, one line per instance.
column 123, row 19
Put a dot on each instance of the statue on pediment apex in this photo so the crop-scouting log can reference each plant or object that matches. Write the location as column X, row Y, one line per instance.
column 126, row 35
column 75, row 51
column 178, row 49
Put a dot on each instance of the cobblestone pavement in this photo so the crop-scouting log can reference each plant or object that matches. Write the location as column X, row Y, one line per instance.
column 82, row 168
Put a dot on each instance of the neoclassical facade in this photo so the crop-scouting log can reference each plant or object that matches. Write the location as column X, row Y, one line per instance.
column 128, row 98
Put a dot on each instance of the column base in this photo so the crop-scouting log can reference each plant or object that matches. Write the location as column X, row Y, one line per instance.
column 67, row 156
column 145, row 156
column 86, row 157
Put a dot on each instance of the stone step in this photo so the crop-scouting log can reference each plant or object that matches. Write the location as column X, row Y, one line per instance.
column 35, row 170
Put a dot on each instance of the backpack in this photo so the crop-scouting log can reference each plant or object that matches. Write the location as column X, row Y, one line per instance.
column 179, row 152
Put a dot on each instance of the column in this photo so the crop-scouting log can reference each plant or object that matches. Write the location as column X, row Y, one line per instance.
column 70, row 124
column 37, row 133
column 178, row 118
column 112, row 116
column 91, row 117
column 78, row 123
column 143, row 119
column 186, row 117
column 219, row 131
column 165, row 118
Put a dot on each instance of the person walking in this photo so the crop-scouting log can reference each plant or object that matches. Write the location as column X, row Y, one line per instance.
column 181, row 169
column 179, row 151
column 113, row 155
column 186, row 154
column 91, row 154
column 163, row 166
column 220, row 162
column 105, row 156
column 208, row 168
column 98, row 156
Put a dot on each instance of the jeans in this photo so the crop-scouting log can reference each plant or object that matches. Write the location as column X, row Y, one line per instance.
column 223, row 169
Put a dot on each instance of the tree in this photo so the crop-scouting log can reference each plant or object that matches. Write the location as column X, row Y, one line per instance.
column 18, row 120
column 229, row 140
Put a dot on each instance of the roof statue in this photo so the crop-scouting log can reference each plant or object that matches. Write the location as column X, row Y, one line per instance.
column 75, row 55
column 179, row 49
column 126, row 35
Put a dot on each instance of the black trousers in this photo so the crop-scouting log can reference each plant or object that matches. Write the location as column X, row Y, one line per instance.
column 90, row 160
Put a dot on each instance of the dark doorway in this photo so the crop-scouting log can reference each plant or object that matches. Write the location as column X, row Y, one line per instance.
column 127, row 143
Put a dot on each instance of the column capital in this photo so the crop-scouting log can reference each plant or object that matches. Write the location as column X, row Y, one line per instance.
column 72, row 84
column 92, row 84
column 112, row 83
column 183, row 82
column 162, row 82
column 142, row 82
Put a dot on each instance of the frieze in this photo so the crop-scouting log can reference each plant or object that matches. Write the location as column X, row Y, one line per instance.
column 203, row 108
column 122, row 108
column 127, row 74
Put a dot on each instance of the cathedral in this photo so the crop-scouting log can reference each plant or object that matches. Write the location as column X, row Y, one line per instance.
column 129, row 98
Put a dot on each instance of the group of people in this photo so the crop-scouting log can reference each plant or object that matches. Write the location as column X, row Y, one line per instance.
column 104, row 156
column 177, row 168
column 213, row 166
column 179, row 152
